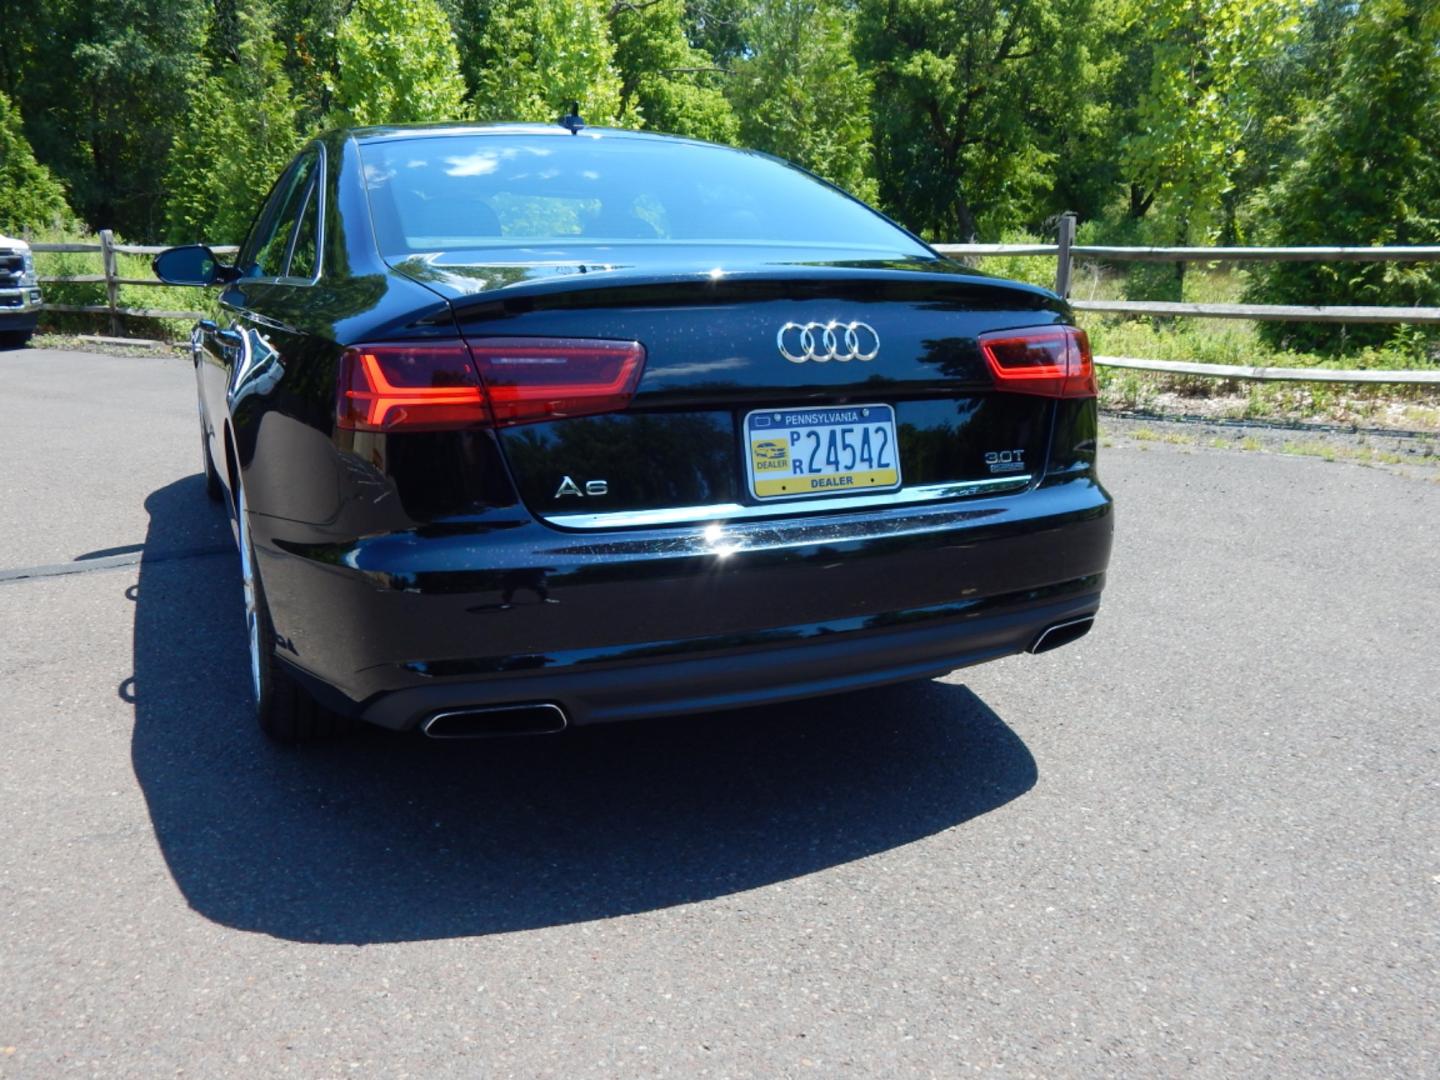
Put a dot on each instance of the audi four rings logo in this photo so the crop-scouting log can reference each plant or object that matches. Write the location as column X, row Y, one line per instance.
column 826, row 341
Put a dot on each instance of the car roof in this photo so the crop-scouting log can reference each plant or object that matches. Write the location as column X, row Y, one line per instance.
column 387, row 132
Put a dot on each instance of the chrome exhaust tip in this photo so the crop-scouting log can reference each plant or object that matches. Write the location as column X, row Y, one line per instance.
column 496, row 722
column 1062, row 633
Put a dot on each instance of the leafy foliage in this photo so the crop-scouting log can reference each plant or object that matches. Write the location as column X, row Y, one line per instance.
column 529, row 58
column 238, row 132
column 1205, row 60
column 102, row 91
column 801, row 95
column 30, row 196
column 716, row 27
column 1366, row 175
column 665, row 83
column 395, row 63
column 967, row 96
column 308, row 31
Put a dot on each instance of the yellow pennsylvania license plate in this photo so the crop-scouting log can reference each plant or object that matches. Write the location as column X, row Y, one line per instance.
column 792, row 453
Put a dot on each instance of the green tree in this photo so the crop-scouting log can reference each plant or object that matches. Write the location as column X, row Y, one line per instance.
column 527, row 59
column 666, row 84
column 1286, row 86
column 23, row 34
column 1366, row 175
column 968, row 95
column 1085, row 144
column 1205, row 66
column 395, row 63
column 238, row 132
column 717, row 27
column 102, row 92
column 800, row 94
column 308, row 29
column 30, row 196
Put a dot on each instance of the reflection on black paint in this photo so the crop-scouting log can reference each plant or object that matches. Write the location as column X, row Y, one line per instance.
column 946, row 440
column 684, row 459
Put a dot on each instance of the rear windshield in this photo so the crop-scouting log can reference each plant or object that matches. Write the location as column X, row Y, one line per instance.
column 456, row 192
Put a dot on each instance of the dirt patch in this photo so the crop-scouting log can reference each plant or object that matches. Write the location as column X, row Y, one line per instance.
column 110, row 346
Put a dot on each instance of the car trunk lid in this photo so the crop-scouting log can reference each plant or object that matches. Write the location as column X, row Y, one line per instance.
column 900, row 338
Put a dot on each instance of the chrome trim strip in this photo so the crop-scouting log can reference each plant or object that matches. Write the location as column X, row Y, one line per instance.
column 719, row 512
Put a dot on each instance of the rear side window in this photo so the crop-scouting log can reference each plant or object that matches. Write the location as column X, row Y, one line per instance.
column 305, row 258
column 456, row 192
column 284, row 240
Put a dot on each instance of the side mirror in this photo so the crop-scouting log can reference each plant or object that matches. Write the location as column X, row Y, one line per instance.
column 193, row 264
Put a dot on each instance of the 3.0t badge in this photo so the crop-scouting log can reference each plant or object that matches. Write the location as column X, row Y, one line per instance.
column 1005, row 461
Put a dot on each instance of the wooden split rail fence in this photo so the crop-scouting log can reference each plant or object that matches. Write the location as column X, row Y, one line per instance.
column 1065, row 252
column 107, row 248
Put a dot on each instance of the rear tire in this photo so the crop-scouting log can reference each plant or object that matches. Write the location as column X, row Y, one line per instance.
column 283, row 709
column 15, row 339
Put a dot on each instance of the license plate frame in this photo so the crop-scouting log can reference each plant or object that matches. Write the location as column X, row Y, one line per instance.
column 773, row 425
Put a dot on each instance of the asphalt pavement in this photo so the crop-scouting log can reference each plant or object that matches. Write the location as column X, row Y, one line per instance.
column 1202, row 841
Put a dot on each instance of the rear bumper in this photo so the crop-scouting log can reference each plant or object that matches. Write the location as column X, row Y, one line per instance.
column 643, row 623
column 831, row 661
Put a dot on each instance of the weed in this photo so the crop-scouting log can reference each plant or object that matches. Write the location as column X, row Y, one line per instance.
column 1319, row 450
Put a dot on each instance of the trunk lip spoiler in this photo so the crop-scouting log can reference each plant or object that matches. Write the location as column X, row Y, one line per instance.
column 465, row 292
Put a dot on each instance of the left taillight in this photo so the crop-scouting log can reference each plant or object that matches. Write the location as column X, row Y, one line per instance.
column 1051, row 361
column 436, row 386
column 416, row 387
column 531, row 379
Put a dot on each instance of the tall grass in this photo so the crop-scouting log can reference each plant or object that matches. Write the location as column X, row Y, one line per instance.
column 156, row 296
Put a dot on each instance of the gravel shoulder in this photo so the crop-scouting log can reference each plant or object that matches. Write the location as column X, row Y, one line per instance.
column 1412, row 454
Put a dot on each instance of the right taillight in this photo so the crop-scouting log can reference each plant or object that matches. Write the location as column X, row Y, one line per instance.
column 1051, row 361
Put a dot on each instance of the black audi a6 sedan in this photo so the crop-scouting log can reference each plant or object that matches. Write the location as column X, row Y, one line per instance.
column 520, row 428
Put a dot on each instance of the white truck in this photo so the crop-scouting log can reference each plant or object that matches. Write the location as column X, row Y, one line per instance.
column 20, row 299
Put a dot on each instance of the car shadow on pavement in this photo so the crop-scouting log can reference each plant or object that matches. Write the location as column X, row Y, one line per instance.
column 381, row 837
